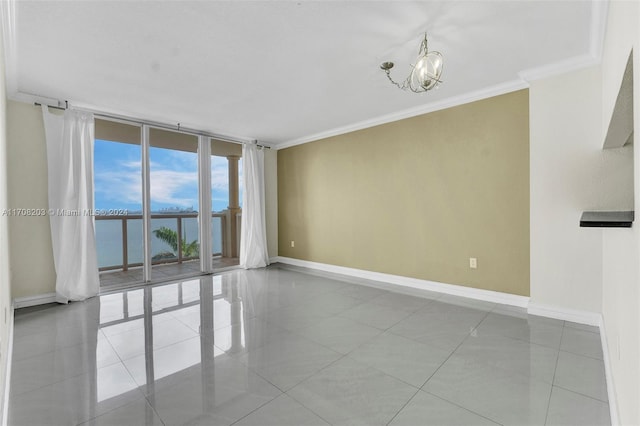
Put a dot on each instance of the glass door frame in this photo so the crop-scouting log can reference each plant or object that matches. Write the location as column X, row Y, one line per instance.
column 204, row 200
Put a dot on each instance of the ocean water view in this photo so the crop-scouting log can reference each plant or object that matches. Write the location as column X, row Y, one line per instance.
column 109, row 238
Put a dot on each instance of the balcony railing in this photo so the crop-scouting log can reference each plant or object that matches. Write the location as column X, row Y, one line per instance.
column 124, row 251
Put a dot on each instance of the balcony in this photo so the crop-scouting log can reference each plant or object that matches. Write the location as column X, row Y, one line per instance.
column 174, row 245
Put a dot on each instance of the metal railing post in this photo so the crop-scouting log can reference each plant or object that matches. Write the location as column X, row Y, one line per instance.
column 125, row 245
column 225, row 239
column 179, row 227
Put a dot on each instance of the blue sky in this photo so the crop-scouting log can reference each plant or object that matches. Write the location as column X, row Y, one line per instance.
column 174, row 178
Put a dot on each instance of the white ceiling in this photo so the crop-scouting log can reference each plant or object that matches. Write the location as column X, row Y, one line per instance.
column 285, row 72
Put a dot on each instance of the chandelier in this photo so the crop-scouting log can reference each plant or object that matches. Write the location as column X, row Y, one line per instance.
column 425, row 74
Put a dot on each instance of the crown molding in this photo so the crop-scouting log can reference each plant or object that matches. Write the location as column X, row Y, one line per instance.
column 522, row 82
column 571, row 64
column 476, row 95
column 599, row 11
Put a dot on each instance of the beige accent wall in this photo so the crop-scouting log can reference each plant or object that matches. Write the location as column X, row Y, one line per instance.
column 417, row 197
column 32, row 268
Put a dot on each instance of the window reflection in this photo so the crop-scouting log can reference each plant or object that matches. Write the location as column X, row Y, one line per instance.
column 111, row 308
column 207, row 320
column 135, row 302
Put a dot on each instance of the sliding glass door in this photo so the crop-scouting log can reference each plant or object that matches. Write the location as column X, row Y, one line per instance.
column 173, row 184
column 118, row 202
column 151, row 189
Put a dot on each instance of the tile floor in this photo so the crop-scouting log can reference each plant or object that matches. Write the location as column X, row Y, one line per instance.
column 284, row 346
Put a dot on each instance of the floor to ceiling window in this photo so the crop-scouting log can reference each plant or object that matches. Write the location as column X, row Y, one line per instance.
column 122, row 154
column 173, row 171
column 226, row 202
column 118, row 202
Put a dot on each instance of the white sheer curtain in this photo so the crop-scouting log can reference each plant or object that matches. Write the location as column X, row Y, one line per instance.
column 70, row 140
column 253, row 235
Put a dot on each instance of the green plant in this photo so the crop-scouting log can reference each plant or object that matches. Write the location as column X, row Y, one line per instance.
column 170, row 237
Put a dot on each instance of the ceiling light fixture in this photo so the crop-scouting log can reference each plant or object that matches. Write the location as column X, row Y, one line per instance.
column 425, row 74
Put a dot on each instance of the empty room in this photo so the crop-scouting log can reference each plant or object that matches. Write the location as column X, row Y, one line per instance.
column 319, row 212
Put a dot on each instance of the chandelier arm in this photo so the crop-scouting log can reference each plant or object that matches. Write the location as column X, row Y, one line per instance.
column 398, row 85
column 422, row 78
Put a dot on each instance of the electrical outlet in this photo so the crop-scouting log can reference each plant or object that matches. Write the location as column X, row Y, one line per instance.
column 293, row 243
column 473, row 263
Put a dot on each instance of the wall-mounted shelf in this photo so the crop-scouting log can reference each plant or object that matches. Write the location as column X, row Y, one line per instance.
column 618, row 219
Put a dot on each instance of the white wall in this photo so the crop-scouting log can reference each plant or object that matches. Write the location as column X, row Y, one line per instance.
column 620, row 253
column 620, row 309
column 5, row 286
column 588, row 269
column 566, row 158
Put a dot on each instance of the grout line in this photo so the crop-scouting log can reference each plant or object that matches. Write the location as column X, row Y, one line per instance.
column 553, row 379
column 456, row 348
column 308, row 378
column 439, row 367
column 462, row 407
column 259, row 407
column 582, row 355
column 581, row 394
column 403, row 406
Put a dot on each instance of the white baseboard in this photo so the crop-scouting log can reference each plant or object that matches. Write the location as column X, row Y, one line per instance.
column 415, row 283
column 611, row 390
column 39, row 299
column 7, row 375
column 565, row 314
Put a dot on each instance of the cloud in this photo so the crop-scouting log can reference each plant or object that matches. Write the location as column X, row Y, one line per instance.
column 122, row 183
column 174, row 181
column 171, row 186
column 219, row 174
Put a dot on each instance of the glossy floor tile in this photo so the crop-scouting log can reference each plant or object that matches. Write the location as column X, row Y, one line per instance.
column 518, row 325
column 582, row 375
column 429, row 410
column 289, row 346
column 569, row 408
column 282, row 411
column 352, row 393
column 408, row 360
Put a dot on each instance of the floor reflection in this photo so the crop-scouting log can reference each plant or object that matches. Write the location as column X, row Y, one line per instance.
column 286, row 346
column 186, row 316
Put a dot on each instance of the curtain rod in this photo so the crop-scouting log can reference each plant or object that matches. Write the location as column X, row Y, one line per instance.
column 157, row 124
column 173, row 127
column 66, row 105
